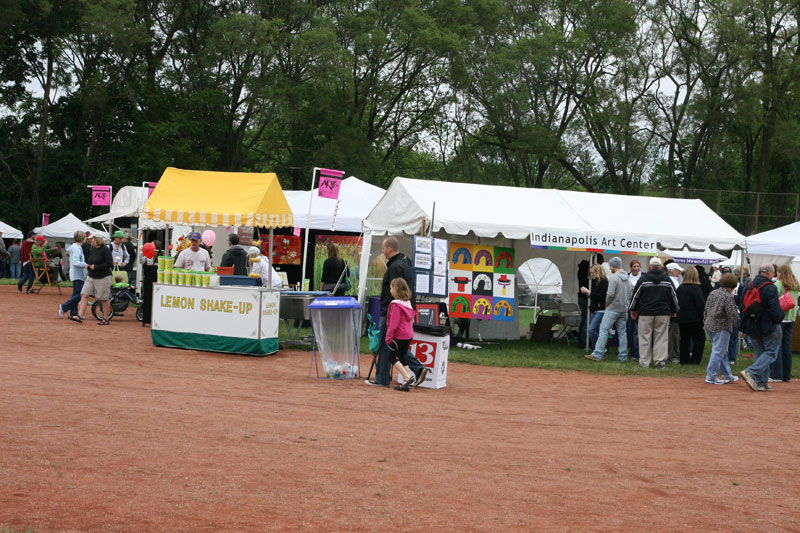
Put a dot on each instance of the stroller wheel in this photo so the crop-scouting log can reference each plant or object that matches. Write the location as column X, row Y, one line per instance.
column 97, row 310
column 140, row 314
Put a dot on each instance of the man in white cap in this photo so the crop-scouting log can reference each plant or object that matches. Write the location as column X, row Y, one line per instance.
column 676, row 277
column 654, row 302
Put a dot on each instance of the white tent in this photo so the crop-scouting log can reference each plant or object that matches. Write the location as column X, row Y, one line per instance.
column 506, row 216
column 356, row 199
column 778, row 246
column 540, row 275
column 64, row 229
column 10, row 232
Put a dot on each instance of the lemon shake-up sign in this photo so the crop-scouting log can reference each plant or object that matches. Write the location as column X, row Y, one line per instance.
column 593, row 242
column 217, row 319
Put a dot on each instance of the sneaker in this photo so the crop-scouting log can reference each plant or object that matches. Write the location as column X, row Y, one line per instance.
column 592, row 357
column 767, row 386
column 421, row 377
column 749, row 379
column 660, row 364
column 60, row 312
column 763, row 388
column 372, row 383
column 731, row 379
column 715, row 381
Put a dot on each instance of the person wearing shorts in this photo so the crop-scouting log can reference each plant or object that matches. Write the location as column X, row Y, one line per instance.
column 98, row 280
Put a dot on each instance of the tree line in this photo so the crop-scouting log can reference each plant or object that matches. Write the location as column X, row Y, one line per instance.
column 623, row 96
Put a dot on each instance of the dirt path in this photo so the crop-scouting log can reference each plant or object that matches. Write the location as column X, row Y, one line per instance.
column 108, row 432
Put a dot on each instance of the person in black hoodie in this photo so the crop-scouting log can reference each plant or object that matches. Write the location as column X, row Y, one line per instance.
column 653, row 303
column 235, row 256
column 397, row 266
column 597, row 300
column 583, row 302
column 692, row 303
column 765, row 331
column 98, row 280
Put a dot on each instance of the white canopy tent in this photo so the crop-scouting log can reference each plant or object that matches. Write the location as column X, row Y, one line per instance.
column 10, row 232
column 505, row 216
column 356, row 199
column 64, row 229
column 778, row 246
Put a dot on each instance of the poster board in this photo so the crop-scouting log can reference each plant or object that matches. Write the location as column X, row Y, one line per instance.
column 481, row 282
column 429, row 266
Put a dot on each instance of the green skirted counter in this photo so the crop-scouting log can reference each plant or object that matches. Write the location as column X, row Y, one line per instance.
column 242, row 320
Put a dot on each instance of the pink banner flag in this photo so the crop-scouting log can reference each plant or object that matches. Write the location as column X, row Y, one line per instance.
column 45, row 219
column 330, row 181
column 297, row 231
column 101, row 195
column 150, row 186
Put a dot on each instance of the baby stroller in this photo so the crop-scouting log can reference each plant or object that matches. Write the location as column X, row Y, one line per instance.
column 122, row 295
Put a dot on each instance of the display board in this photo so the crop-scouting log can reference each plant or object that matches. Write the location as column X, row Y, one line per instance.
column 429, row 266
column 481, row 282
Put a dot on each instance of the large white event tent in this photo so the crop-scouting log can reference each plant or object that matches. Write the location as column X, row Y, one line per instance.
column 10, row 232
column 64, row 229
column 356, row 199
column 506, row 216
column 778, row 246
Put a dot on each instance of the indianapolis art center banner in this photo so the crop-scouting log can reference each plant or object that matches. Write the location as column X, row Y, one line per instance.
column 481, row 282
column 593, row 242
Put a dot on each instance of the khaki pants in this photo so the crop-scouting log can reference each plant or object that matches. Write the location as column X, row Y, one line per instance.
column 674, row 341
column 653, row 339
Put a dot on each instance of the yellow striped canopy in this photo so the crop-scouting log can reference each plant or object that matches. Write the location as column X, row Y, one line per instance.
column 202, row 198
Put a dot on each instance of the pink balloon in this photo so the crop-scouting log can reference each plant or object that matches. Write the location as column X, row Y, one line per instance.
column 209, row 237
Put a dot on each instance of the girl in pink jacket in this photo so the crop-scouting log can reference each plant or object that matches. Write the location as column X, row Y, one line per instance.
column 400, row 330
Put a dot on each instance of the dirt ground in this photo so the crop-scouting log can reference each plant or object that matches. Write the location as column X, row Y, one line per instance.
column 100, row 430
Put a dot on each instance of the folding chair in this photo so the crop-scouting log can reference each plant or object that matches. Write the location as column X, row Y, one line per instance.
column 41, row 275
column 570, row 315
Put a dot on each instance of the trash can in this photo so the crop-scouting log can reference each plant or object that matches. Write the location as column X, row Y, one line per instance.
column 335, row 322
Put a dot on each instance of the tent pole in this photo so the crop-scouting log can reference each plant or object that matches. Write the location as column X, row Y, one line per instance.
column 592, row 260
column 308, row 227
column 363, row 266
column 269, row 273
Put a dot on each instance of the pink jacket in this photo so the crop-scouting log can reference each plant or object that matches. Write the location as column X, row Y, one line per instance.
column 399, row 321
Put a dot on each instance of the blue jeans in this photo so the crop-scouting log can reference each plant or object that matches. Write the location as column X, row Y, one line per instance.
column 383, row 368
column 733, row 344
column 15, row 270
column 718, row 360
column 617, row 320
column 594, row 327
column 767, row 349
column 71, row 305
column 27, row 275
column 781, row 369
column 632, row 327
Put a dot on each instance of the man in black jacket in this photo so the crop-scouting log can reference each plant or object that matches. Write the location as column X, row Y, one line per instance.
column 235, row 256
column 765, row 332
column 397, row 266
column 653, row 303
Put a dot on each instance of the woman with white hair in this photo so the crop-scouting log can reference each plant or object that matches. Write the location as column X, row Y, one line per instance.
column 259, row 264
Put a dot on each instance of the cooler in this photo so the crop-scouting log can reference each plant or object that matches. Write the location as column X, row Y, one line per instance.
column 431, row 346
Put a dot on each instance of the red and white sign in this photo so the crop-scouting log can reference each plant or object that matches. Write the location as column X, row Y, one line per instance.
column 151, row 185
column 432, row 352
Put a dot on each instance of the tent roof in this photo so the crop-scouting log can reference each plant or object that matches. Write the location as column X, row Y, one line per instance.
column 357, row 200
column 514, row 212
column 198, row 197
column 65, row 228
column 10, row 232
column 128, row 202
column 779, row 241
column 485, row 210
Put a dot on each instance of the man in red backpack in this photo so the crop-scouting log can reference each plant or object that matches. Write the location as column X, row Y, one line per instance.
column 764, row 329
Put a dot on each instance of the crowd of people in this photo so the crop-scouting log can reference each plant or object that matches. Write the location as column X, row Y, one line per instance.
column 666, row 314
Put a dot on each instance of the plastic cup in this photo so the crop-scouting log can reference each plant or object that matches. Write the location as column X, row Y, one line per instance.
column 190, row 278
column 160, row 276
column 206, row 279
column 168, row 263
column 181, row 277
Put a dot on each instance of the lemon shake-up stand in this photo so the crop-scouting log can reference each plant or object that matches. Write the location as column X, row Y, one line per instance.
column 232, row 319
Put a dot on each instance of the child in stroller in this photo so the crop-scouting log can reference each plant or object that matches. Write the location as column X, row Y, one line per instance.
column 122, row 294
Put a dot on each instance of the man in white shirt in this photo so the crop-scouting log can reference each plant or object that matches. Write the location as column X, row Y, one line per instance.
column 194, row 257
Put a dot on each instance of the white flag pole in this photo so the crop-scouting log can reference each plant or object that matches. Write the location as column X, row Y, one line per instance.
column 308, row 220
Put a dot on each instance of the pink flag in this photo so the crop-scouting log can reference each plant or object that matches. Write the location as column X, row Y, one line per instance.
column 297, row 231
column 150, row 186
column 101, row 195
column 330, row 181
column 45, row 219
